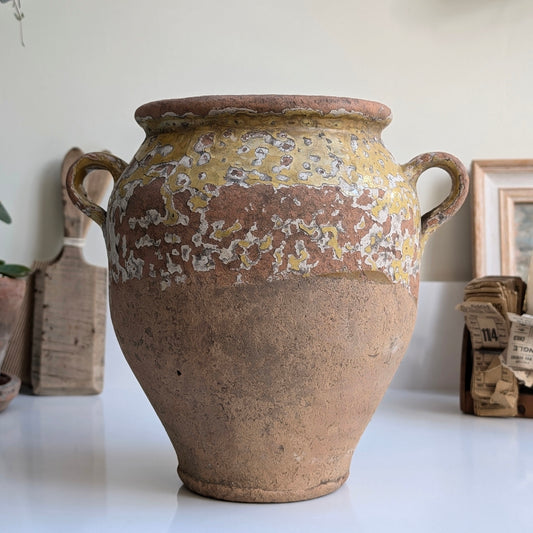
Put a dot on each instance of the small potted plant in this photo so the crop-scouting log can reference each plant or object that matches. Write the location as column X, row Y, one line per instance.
column 12, row 288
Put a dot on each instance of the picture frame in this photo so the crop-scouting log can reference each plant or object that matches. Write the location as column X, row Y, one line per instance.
column 502, row 205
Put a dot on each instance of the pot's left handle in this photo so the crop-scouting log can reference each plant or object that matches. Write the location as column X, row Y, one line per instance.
column 459, row 190
column 77, row 173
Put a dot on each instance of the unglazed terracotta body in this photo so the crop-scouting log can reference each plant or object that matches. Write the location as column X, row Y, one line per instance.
column 11, row 295
column 264, row 261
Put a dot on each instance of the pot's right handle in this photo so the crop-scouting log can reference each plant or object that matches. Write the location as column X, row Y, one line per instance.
column 77, row 173
column 459, row 175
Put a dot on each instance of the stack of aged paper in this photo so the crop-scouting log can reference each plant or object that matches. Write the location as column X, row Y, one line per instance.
column 518, row 356
column 487, row 302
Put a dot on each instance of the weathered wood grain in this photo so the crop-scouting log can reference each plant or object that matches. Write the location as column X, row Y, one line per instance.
column 69, row 326
column 69, row 306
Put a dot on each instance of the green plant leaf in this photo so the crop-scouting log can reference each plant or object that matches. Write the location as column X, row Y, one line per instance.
column 14, row 271
column 4, row 215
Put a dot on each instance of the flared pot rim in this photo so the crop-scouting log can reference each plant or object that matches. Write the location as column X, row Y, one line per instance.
column 212, row 105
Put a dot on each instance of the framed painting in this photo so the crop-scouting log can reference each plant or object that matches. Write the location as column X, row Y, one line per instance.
column 502, row 193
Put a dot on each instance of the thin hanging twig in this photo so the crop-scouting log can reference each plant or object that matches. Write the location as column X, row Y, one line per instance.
column 19, row 15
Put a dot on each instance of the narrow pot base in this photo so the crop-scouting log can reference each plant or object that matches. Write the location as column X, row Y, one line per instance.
column 254, row 495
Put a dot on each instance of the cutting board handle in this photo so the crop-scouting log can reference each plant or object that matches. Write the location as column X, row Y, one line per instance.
column 76, row 174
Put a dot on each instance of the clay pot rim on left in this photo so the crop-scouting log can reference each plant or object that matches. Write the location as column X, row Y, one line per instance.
column 9, row 389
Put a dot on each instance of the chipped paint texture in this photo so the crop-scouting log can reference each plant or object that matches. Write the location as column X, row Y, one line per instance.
column 244, row 197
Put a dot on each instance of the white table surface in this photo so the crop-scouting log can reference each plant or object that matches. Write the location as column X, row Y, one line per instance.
column 104, row 463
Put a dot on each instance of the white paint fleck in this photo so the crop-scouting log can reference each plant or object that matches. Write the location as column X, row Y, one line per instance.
column 134, row 266
column 236, row 175
column 173, row 267
column 146, row 241
column 204, row 159
column 260, row 154
column 203, row 262
column 185, row 161
column 204, row 142
column 172, row 238
column 197, row 239
column 185, row 252
column 227, row 255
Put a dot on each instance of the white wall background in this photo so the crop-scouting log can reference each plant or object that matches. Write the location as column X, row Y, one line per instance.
column 457, row 74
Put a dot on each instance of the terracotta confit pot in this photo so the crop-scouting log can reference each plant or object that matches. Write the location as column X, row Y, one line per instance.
column 264, row 260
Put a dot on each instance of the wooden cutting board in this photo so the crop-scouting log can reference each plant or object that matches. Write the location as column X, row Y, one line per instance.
column 69, row 305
